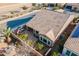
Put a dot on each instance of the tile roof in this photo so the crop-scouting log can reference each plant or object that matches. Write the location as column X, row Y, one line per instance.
column 45, row 21
column 72, row 43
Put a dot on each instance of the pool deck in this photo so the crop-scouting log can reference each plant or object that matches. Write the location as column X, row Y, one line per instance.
column 3, row 23
column 6, row 20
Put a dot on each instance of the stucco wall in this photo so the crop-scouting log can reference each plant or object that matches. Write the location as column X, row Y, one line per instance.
column 64, row 51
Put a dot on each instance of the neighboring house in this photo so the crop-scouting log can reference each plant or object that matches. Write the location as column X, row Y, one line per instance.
column 56, row 4
column 71, row 47
column 72, row 7
column 50, row 6
column 47, row 26
column 53, row 6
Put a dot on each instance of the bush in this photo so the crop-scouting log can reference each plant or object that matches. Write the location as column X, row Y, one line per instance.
column 23, row 36
column 75, row 20
column 30, row 42
column 17, row 44
column 33, row 4
column 24, row 7
column 55, row 53
column 55, row 8
column 39, row 46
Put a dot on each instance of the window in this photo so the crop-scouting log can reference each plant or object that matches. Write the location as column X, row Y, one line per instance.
column 67, row 52
column 51, row 5
column 73, row 54
column 37, row 32
column 40, row 38
column 45, row 40
column 48, row 42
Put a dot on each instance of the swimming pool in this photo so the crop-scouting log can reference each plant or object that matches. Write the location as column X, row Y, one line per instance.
column 18, row 22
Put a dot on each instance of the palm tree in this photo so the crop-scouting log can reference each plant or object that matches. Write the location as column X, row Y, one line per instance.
column 7, row 34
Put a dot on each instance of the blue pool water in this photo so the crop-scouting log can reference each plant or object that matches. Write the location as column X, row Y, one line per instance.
column 76, row 32
column 16, row 23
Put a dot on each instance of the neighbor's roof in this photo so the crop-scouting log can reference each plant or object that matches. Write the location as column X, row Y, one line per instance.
column 72, row 43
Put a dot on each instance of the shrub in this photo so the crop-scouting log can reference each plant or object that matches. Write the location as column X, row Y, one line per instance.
column 23, row 36
column 55, row 53
column 30, row 42
column 55, row 8
column 24, row 7
column 39, row 46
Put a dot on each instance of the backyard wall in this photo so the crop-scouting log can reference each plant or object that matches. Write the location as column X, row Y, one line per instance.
column 64, row 51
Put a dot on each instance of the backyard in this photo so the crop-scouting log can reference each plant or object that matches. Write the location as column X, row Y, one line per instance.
column 28, row 38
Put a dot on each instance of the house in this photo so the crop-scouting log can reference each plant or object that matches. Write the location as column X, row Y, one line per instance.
column 52, row 6
column 72, row 7
column 71, row 46
column 49, row 6
column 48, row 25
